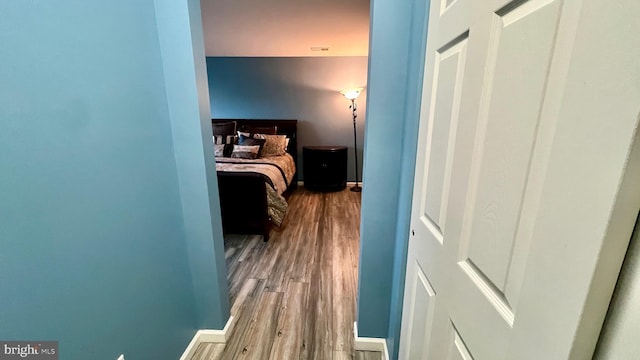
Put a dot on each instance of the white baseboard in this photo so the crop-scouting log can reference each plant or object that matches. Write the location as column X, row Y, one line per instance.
column 369, row 344
column 349, row 183
column 207, row 336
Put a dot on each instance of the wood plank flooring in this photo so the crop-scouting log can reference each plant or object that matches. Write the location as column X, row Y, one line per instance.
column 294, row 296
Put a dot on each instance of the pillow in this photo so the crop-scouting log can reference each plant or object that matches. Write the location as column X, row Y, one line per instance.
column 286, row 145
column 219, row 149
column 227, row 141
column 245, row 151
column 275, row 145
column 224, row 139
column 226, row 128
column 247, row 141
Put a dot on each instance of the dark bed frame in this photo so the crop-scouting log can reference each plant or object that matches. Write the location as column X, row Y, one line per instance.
column 243, row 197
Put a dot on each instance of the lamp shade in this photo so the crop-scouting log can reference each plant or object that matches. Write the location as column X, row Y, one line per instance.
column 351, row 94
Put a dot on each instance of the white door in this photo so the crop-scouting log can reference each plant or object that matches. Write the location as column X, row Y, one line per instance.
column 526, row 185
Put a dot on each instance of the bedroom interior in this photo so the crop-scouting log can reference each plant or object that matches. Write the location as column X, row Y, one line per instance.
column 295, row 87
column 110, row 223
column 291, row 250
column 128, row 93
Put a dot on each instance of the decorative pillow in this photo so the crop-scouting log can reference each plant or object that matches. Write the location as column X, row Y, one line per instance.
column 226, row 128
column 227, row 141
column 219, row 148
column 224, row 139
column 275, row 145
column 247, row 141
column 245, row 151
column 286, row 145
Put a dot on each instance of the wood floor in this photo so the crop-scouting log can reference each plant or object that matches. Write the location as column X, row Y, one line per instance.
column 294, row 296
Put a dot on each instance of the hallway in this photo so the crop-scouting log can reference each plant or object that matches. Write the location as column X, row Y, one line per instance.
column 294, row 297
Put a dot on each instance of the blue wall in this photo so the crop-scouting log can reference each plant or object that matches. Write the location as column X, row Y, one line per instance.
column 306, row 89
column 415, row 66
column 182, row 48
column 397, row 45
column 93, row 247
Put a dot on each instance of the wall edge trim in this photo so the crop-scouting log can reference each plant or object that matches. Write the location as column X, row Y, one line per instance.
column 206, row 335
column 369, row 343
column 349, row 183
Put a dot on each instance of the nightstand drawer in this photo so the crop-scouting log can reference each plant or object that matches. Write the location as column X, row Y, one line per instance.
column 325, row 167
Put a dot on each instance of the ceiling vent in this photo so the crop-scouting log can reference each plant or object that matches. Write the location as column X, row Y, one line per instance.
column 319, row 48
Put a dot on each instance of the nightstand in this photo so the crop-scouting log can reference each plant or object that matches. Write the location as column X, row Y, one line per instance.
column 325, row 167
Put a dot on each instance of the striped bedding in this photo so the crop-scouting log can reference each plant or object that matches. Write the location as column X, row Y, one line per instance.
column 278, row 171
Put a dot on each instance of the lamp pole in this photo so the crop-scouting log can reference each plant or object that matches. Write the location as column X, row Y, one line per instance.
column 352, row 94
column 356, row 187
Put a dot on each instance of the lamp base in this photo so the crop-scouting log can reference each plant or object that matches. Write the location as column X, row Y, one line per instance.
column 356, row 188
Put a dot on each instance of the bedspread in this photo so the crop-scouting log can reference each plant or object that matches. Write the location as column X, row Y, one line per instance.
column 278, row 171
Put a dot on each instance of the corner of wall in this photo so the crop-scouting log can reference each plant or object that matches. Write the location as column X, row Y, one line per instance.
column 182, row 48
column 409, row 40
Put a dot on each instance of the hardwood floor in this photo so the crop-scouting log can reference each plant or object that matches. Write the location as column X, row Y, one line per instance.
column 294, row 296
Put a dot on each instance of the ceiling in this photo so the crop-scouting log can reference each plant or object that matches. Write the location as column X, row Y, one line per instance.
column 273, row 28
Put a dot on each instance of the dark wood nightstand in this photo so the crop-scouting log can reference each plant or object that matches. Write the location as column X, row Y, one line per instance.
column 325, row 167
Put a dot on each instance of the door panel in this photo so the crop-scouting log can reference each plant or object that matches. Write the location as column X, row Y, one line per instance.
column 513, row 93
column 458, row 350
column 493, row 234
column 422, row 308
column 443, row 122
column 446, row 4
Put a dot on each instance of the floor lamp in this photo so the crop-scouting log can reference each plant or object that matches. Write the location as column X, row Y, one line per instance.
column 352, row 94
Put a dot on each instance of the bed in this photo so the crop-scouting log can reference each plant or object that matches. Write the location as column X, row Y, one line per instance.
column 244, row 189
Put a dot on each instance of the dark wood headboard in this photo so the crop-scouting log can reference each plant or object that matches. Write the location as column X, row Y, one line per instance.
column 285, row 127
